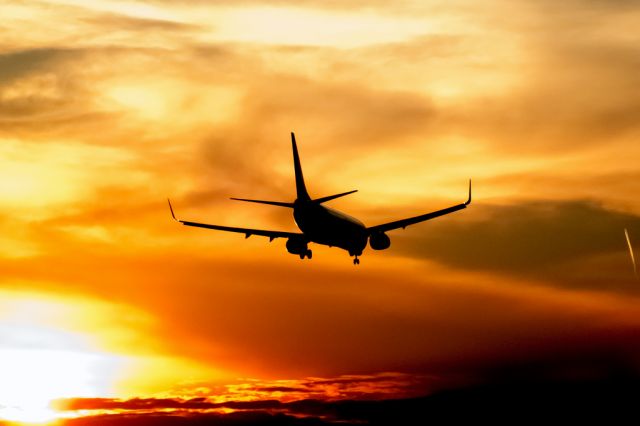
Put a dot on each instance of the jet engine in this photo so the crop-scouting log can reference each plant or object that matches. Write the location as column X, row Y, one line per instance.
column 298, row 246
column 379, row 241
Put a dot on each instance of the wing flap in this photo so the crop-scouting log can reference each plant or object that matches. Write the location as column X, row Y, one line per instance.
column 247, row 231
column 403, row 223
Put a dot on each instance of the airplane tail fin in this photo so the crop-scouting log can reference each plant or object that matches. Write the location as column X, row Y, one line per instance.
column 301, row 189
column 273, row 203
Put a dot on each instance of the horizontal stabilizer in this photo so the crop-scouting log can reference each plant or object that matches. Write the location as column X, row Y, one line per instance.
column 273, row 203
column 332, row 197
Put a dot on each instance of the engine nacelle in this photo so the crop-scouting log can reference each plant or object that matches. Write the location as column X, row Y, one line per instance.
column 297, row 246
column 379, row 241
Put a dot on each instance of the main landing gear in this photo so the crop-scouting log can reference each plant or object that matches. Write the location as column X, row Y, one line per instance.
column 355, row 255
column 307, row 253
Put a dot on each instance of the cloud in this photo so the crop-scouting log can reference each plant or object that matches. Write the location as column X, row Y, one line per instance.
column 553, row 240
column 18, row 64
column 610, row 396
column 28, row 85
column 119, row 22
column 252, row 153
column 135, row 404
column 371, row 95
column 47, row 95
column 257, row 412
column 578, row 82
column 371, row 386
column 235, row 419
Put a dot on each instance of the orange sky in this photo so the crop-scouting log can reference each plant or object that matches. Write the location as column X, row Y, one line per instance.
column 108, row 107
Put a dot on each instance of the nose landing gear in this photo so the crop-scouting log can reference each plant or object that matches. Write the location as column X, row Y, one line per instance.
column 356, row 261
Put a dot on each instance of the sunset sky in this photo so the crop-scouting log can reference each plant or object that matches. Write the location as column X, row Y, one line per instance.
column 108, row 308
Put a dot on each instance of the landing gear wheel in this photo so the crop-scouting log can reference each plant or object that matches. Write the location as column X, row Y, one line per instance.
column 307, row 253
column 356, row 261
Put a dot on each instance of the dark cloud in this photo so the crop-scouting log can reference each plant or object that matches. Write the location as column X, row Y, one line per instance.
column 379, row 381
column 233, row 419
column 544, row 239
column 282, row 389
column 610, row 398
column 376, row 386
column 299, row 407
column 46, row 93
column 492, row 402
column 18, row 108
column 262, row 411
column 135, row 404
column 153, row 404
column 18, row 64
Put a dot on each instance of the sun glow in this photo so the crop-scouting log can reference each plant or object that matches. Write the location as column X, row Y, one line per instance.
column 42, row 361
column 32, row 378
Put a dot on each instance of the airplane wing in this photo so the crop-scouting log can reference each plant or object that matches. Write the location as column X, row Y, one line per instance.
column 403, row 223
column 246, row 231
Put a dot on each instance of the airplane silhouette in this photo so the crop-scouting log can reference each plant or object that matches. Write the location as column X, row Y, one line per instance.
column 323, row 225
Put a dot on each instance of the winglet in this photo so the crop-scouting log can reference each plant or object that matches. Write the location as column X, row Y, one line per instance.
column 469, row 200
column 171, row 208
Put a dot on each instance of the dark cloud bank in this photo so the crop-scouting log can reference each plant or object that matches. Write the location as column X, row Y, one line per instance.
column 608, row 399
column 572, row 243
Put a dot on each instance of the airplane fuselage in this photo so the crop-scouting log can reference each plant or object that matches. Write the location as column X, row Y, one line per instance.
column 323, row 225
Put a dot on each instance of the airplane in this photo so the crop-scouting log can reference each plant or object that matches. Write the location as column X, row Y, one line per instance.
column 324, row 225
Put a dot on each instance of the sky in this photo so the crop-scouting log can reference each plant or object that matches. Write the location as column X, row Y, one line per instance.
column 111, row 312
